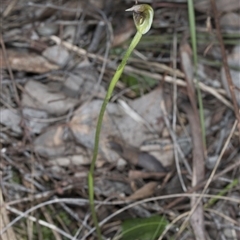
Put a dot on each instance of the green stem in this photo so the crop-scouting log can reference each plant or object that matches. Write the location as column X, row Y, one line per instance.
column 111, row 87
column 230, row 186
column 191, row 15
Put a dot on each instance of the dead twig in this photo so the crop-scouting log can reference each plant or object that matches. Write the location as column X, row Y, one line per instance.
column 128, row 206
column 200, row 185
column 225, row 63
column 197, row 218
column 159, row 77
column 4, row 221
column 210, row 178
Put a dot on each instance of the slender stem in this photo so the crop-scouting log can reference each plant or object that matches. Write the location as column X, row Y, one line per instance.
column 113, row 83
column 191, row 15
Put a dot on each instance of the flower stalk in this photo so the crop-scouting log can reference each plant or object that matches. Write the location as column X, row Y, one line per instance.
column 143, row 17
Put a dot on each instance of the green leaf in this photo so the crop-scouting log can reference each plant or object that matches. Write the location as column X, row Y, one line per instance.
column 137, row 85
column 150, row 82
column 143, row 228
column 129, row 80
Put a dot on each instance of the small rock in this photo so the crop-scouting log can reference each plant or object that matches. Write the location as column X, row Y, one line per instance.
column 11, row 119
column 47, row 29
column 230, row 21
column 69, row 33
column 121, row 164
column 71, row 160
column 211, row 161
column 57, row 54
column 34, row 119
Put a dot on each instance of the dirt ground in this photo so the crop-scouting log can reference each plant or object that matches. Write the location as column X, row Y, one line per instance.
column 169, row 156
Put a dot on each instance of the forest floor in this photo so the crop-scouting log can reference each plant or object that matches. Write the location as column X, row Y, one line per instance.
column 159, row 174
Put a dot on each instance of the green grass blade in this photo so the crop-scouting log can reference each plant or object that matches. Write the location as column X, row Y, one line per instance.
column 191, row 15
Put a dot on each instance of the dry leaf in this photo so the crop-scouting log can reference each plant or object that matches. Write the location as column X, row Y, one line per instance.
column 120, row 124
column 39, row 96
column 146, row 191
column 25, row 61
column 51, row 143
column 134, row 174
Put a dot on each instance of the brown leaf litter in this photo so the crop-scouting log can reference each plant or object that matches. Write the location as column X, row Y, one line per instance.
column 56, row 63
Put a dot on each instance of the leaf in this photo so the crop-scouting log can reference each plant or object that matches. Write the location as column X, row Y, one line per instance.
column 132, row 81
column 143, row 228
column 26, row 61
column 150, row 82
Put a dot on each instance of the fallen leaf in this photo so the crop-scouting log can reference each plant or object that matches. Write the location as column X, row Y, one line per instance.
column 83, row 127
column 146, row 191
column 136, row 157
column 51, row 143
column 120, row 123
column 39, row 96
column 134, row 174
column 26, row 61
column 82, row 84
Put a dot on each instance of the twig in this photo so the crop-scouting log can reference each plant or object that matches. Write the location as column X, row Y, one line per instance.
column 174, row 139
column 175, row 108
column 17, row 99
column 41, row 222
column 183, row 215
column 50, row 221
column 180, row 82
column 197, row 218
column 200, row 185
column 4, row 221
column 155, row 199
column 228, row 219
column 210, row 178
column 225, row 63
column 82, row 52
column 84, row 202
